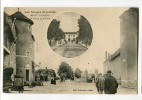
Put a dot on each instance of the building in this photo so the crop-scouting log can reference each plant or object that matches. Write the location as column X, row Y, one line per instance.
column 129, row 24
column 113, row 63
column 123, row 62
column 24, row 46
column 71, row 36
column 9, row 50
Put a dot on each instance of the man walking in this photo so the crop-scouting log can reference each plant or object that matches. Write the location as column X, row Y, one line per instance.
column 100, row 83
column 111, row 84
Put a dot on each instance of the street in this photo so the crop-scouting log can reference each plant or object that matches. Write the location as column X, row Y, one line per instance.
column 70, row 50
column 70, row 88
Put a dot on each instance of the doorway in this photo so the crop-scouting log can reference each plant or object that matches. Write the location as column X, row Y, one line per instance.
column 27, row 75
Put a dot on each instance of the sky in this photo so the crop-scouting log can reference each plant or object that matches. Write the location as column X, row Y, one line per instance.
column 69, row 21
column 105, row 24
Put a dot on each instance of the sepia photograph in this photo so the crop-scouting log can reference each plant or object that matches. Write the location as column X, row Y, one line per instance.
column 70, row 50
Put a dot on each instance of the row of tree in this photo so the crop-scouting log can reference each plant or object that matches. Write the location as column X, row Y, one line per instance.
column 54, row 31
column 66, row 69
column 85, row 31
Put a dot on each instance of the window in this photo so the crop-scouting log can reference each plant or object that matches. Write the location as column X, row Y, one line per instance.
column 28, row 54
column 29, row 27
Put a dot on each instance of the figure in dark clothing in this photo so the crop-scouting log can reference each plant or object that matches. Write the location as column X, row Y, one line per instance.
column 53, row 81
column 41, row 79
column 111, row 84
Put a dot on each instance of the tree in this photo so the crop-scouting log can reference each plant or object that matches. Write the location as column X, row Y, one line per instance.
column 64, row 68
column 54, row 30
column 77, row 73
column 85, row 31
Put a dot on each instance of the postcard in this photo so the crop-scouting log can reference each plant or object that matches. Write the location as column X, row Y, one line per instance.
column 70, row 50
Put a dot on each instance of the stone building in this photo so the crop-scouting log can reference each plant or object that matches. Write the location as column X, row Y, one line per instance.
column 129, row 24
column 24, row 46
column 9, row 46
column 71, row 36
column 123, row 62
column 113, row 63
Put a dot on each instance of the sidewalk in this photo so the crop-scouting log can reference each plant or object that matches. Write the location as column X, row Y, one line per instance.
column 124, row 91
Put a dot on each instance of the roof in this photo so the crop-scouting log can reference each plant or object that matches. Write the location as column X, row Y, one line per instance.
column 70, row 32
column 21, row 16
column 130, row 9
column 113, row 56
column 116, row 54
column 8, row 27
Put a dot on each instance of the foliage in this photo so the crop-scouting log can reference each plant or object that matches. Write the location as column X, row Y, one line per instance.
column 77, row 73
column 46, row 71
column 54, row 30
column 7, row 72
column 85, row 31
column 65, row 68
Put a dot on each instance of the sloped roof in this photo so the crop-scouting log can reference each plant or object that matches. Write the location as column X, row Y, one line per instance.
column 21, row 16
column 132, row 9
column 117, row 53
column 113, row 56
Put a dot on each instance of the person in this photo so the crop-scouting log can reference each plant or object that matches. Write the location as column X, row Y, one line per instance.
column 53, row 81
column 19, row 84
column 100, row 83
column 41, row 79
column 111, row 84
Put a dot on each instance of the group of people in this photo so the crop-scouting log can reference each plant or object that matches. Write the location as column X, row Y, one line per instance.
column 107, row 83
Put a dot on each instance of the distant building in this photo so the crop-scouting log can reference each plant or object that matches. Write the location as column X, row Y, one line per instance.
column 113, row 63
column 71, row 36
column 47, row 74
column 24, row 46
column 123, row 62
column 9, row 47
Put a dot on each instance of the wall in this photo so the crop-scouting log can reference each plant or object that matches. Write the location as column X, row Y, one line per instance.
column 115, row 66
column 24, row 49
column 126, row 63
column 71, row 36
column 129, row 34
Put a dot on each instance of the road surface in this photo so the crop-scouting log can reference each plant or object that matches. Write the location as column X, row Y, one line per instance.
column 70, row 88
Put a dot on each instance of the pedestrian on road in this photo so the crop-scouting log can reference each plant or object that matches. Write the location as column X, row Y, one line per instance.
column 19, row 84
column 100, row 83
column 53, row 81
column 111, row 84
